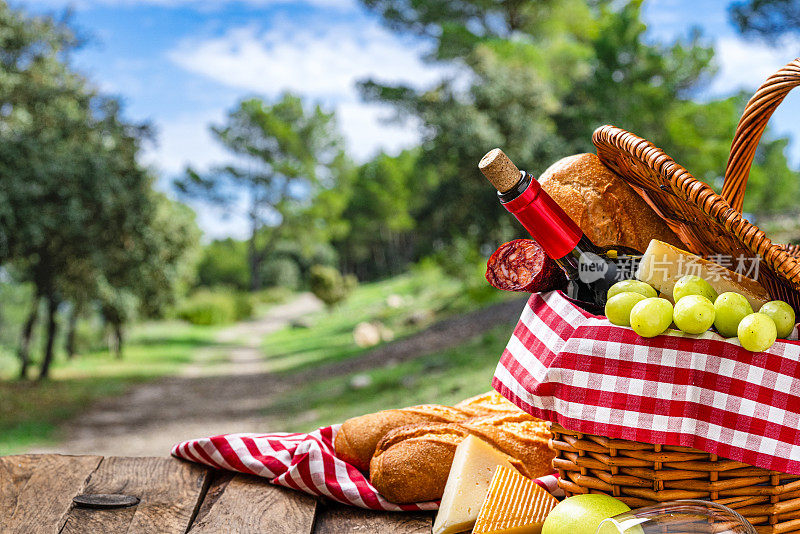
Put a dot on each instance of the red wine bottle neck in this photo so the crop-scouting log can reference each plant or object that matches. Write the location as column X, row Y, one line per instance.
column 542, row 217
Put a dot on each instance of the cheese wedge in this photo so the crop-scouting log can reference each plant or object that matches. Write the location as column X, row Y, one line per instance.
column 474, row 463
column 662, row 265
column 514, row 505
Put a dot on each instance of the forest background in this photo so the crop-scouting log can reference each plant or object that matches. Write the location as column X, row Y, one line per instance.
column 92, row 241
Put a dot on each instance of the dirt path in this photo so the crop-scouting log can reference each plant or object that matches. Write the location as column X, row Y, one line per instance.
column 230, row 389
column 222, row 391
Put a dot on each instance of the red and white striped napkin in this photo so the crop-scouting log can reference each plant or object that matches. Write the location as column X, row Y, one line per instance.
column 566, row 365
column 305, row 462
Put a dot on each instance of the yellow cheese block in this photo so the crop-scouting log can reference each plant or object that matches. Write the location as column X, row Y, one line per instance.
column 514, row 505
column 474, row 463
column 662, row 265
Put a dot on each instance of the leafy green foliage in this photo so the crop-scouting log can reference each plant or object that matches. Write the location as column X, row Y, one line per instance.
column 281, row 272
column 224, row 263
column 289, row 151
column 537, row 78
column 79, row 218
column 214, row 307
column 569, row 68
column 768, row 19
column 329, row 286
column 383, row 203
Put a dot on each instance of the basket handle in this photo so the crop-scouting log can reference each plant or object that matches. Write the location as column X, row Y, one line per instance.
column 748, row 132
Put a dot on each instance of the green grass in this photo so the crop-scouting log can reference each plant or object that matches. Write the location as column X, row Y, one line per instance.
column 425, row 291
column 444, row 377
column 30, row 413
column 33, row 414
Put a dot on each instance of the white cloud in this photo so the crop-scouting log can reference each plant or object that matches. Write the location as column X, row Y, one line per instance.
column 322, row 63
column 219, row 223
column 745, row 64
column 186, row 140
column 202, row 5
column 367, row 130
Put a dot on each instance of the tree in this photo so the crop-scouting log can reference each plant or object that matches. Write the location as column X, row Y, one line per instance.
column 536, row 79
column 79, row 212
column 699, row 136
column 541, row 77
column 766, row 19
column 384, row 196
column 43, row 106
column 155, row 266
column 224, row 263
column 283, row 152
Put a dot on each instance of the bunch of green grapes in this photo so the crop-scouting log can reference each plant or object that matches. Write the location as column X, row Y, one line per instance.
column 697, row 308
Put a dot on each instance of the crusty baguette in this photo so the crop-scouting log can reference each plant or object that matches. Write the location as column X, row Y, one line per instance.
column 519, row 435
column 411, row 464
column 489, row 403
column 357, row 438
column 606, row 208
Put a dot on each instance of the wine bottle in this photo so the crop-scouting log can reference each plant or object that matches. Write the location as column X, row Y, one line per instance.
column 591, row 269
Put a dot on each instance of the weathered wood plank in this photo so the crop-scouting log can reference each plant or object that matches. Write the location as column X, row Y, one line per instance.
column 249, row 504
column 333, row 518
column 219, row 481
column 170, row 491
column 36, row 490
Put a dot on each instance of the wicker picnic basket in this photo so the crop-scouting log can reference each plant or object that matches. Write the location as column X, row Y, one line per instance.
column 708, row 224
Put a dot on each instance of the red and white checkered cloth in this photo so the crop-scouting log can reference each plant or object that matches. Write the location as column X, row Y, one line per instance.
column 566, row 365
column 304, row 462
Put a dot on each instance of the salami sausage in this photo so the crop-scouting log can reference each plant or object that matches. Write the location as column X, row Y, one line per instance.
column 522, row 265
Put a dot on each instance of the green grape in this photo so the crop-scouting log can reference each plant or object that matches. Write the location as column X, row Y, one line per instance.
column 651, row 317
column 730, row 308
column 693, row 285
column 694, row 314
column 782, row 314
column 634, row 286
column 618, row 307
column 757, row 332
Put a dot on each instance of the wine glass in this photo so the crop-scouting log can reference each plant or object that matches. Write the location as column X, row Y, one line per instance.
column 685, row 516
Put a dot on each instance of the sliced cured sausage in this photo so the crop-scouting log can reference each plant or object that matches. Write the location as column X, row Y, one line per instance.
column 522, row 265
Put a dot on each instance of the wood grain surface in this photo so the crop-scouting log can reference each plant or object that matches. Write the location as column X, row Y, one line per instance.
column 36, row 490
column 36, row 493
column 250, row 504
column 334, row 518
column 170, row 491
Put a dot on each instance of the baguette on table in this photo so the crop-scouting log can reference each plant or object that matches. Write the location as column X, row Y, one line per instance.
column 411, row 463
column 357, row 438
column 489, row 403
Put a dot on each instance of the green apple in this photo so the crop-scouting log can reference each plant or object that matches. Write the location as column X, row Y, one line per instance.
column 581, row 514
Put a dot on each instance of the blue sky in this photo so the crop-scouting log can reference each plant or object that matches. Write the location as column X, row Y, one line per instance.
column 181, row 64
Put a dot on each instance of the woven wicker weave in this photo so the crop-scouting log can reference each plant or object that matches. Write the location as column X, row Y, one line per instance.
column 640, row 474
column 709, row 224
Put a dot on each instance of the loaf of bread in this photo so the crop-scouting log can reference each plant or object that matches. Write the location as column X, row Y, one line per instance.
column 606, row 208
column 489, row 403
column 357, row 438
column 411, row 464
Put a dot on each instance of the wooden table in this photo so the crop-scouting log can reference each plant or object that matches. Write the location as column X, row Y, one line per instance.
column 37, row 491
